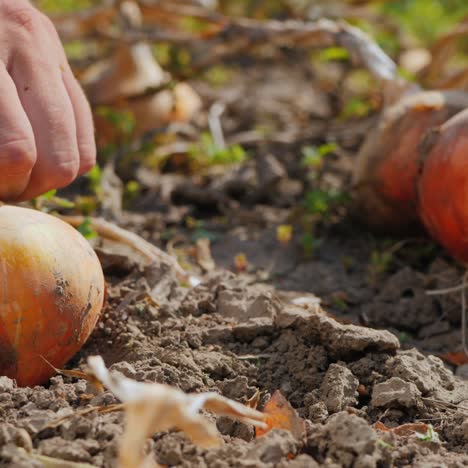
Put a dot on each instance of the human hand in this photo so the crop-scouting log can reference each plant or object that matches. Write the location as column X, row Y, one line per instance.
column 46, row 127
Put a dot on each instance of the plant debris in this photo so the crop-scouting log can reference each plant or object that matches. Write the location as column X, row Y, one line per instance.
column 151, row 408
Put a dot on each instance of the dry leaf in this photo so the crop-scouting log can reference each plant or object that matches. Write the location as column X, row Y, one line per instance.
column 405, row 430
column 203, row 253
column 457, row 359
column 154, row 407
column 281, row 415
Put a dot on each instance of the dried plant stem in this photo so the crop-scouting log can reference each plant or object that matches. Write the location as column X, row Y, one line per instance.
column 441, row 292
column 227, row 36
column 110, row 231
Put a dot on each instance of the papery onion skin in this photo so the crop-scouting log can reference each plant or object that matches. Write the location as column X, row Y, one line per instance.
column 51, row 293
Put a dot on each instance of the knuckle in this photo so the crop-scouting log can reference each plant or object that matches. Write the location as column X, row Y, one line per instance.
column 17, row 156
column 24, row 17
column 50, row 27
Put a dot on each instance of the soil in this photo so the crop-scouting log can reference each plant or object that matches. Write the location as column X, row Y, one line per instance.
column 348, row 335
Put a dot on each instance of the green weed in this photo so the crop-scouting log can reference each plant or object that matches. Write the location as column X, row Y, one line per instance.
column 312, row 156
column 64, row 6
column 380, row 262
column 86, row 229
column 322, row 201
column 122, row 121
column 309, row 244
column 385, row 445
column 49, row 201
column 425, row 19
column 94, row 177
column 430, row 436
column 206, row 153
column 333, row 54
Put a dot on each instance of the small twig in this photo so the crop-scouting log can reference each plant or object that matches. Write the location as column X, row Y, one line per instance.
column 253, row 357
column 462, row 289
column 127, row 300
column 253, row 137
column 445, row 418
column 445, row 404
column 82, row 412
column 441, row 292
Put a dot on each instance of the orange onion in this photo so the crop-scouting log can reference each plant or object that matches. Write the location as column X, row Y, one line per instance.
column 51, row 293
column 443, row 185
column 387, row 165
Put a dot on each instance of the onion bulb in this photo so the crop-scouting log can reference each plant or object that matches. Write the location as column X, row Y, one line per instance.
column 443, row 185
column 387, row 165
column 51, row 293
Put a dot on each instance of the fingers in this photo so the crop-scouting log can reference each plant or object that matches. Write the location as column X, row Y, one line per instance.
column 81, row 107
column 84, row 122
column 46, row 129
column 46, row 102
column 17, row 144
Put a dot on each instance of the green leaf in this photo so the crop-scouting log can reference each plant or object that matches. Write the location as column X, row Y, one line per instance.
column 205, row 153
column 86, row 229
column 356, row 107
column 313, row 155
column 49, row 195
column 94, row 177
column 431, row 436
column 309, row 243
column 320, row 201
column 123, row 121
column 333, row 53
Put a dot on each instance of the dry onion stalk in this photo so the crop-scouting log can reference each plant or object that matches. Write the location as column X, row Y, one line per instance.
column 153, row 407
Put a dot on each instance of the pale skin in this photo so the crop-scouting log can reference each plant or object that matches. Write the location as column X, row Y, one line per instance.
column 46, row 126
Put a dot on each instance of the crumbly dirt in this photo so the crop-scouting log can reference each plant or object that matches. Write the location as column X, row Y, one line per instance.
column 348, row 339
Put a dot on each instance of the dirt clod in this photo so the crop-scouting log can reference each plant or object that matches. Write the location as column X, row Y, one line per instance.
column 395, row 391
column 339, row 388
column 346, row 440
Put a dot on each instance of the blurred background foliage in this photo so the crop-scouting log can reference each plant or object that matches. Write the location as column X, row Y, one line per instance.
column 422, row 20
column 409, row 31
column 395, row 25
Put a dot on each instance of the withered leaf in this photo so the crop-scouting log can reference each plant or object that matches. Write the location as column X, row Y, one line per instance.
column 281, row 415
column 152, row 407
